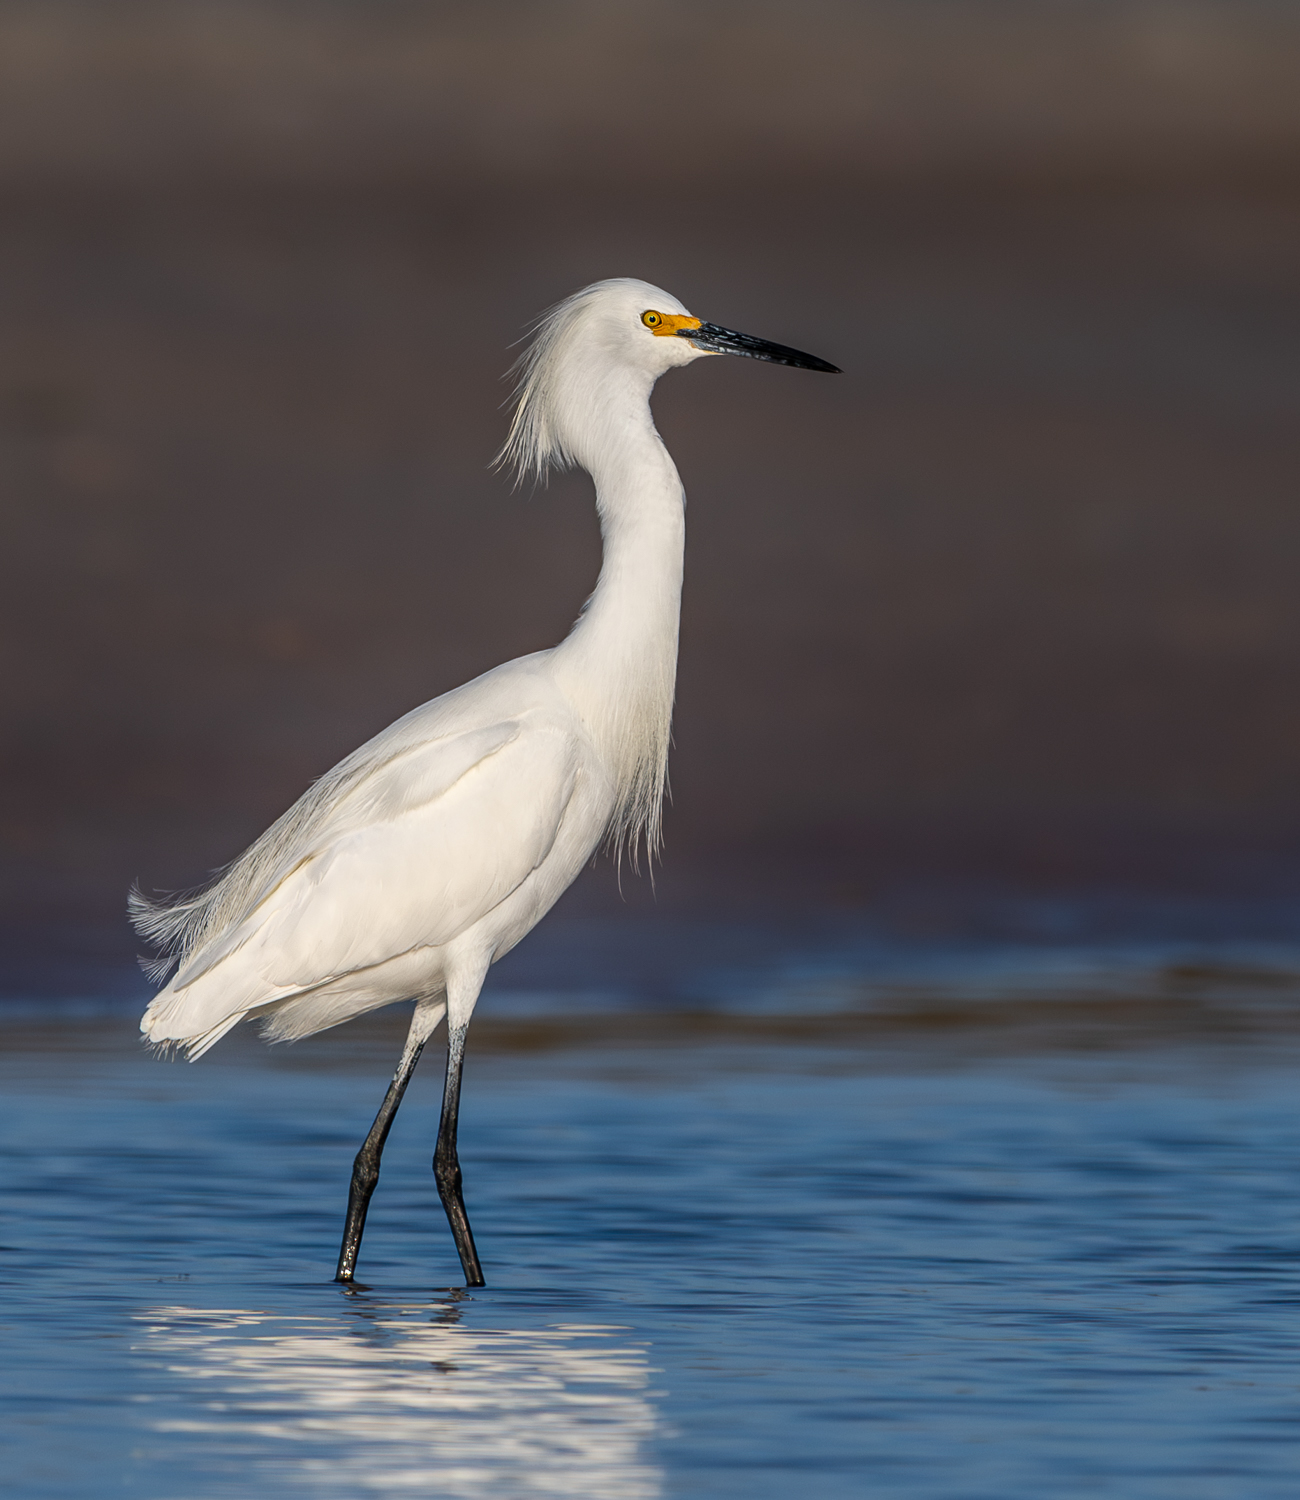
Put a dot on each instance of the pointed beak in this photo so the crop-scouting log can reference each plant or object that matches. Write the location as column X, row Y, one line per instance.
column 715, row 340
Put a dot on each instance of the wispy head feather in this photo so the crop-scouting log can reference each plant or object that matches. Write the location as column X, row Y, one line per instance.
column 534, row 445
column 577, row 347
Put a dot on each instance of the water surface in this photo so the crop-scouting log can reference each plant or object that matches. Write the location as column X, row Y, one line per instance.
column 999, row 1242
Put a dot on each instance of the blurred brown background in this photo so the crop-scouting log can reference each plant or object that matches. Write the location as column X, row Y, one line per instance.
column 1014, row 597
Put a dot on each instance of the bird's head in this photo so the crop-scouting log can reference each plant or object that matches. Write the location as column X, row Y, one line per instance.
column 618, row 335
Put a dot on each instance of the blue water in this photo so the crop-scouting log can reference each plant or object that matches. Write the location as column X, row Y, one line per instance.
column 1017, row 1239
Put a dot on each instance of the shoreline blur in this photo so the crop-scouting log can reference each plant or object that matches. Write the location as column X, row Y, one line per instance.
column 138, row 91
column 1011, row 603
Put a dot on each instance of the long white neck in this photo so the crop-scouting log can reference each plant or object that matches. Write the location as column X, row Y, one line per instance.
column 619, row 663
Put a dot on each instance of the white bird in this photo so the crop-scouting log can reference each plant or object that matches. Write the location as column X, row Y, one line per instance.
column 427, row 854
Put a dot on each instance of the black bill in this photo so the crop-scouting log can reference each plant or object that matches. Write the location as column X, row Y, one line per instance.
column 727, row 341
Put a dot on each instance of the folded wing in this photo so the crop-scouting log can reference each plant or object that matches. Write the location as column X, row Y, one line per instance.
column 412, row 856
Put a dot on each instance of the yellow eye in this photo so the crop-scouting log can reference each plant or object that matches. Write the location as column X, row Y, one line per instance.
column 652, row 319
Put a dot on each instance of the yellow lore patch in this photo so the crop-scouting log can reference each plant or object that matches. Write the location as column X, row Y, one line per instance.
column 664, row 324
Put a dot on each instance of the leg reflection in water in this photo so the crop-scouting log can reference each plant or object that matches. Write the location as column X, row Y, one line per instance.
column 385, row 1396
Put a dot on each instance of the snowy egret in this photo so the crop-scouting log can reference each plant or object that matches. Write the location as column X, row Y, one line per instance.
column 427, row 854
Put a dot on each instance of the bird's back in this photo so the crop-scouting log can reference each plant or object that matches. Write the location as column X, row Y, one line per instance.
column 416, row 842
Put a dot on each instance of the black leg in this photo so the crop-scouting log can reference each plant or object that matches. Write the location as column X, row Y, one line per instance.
column 365, row 1169
column 446, row 1167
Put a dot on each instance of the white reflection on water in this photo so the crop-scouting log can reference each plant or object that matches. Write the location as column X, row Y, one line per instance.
column 391, row 1401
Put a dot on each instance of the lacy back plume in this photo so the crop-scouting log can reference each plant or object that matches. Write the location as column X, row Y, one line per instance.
column 180, row 924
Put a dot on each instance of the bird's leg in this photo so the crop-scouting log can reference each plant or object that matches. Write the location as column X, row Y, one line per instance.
column 365, row 1169
column 446, row 1166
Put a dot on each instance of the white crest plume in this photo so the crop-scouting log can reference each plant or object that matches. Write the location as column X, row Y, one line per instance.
column 533, row 444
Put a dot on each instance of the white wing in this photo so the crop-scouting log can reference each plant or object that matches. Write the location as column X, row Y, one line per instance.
column 411, row 857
